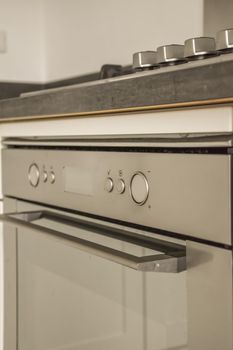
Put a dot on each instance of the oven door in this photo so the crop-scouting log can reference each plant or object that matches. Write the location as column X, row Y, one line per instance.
column 86, row 285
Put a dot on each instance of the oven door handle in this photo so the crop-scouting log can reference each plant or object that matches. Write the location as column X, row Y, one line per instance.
column 171, row 257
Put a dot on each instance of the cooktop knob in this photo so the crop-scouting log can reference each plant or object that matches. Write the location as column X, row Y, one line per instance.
column 171, row 55
column 33, row 175
column 199, row 48
column 139, row 188
column 224, row 40
column 145, row 60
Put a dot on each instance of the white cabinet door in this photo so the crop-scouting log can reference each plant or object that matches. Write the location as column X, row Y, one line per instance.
column 71, row 300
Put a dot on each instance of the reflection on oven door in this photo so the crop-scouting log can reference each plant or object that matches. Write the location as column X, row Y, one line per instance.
column 71, row 300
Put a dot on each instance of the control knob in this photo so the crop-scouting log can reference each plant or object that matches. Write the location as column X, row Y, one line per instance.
column 109, row 185
column 139, row 188
column 145, row 60
column 45, row 176
column 171, row 54
column 52, row 177
column 199, row 48
column 120, row 186
column 33, row 174
column 224, row 40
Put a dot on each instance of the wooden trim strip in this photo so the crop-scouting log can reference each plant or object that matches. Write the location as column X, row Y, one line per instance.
column 178, row 105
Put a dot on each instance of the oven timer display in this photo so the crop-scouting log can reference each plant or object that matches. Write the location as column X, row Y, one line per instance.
column 78, row 181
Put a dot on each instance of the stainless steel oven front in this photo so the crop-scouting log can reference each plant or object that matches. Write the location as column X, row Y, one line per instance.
column 117, row 245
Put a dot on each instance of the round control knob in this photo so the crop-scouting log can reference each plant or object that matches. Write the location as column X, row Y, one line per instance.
column 120, row 186
column 45, row 176
column 145, row 60
column 52, row 177
column 171, row 55
column 108, row 185
column 199, row 48
column 224, row 40
column 34, row 175
column 139, row 188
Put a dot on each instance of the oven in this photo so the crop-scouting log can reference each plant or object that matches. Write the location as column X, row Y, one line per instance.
column 117, row 243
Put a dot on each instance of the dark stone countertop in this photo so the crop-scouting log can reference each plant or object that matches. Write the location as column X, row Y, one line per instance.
column 206, row 82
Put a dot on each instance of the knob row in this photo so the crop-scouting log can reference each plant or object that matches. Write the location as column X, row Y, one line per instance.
column 139, row 188
column 195, row 48
column 109, row 185
column 34, row 175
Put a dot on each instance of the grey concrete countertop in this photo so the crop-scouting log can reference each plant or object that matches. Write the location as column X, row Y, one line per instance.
column 197, row 83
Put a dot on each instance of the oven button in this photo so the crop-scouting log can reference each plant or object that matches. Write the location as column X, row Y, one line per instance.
column 52, row 177
column 120, row 186
column 45, row 176
column 139, row 188
column 33, row 175
column 108, row 185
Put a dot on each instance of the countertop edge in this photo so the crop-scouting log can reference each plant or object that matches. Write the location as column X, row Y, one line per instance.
column 178, row 105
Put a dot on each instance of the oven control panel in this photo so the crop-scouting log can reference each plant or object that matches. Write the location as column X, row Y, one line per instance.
column 138, row 187
column 187, row 193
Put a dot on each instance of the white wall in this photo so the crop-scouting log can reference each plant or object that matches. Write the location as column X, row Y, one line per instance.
column 218, row 15
column 81, row 35
column 53, row 39
column 23, row 22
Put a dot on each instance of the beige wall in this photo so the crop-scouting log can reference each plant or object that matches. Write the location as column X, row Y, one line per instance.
column 22, row 20
column 53, row 39
column 218, row 15
column 81, row 35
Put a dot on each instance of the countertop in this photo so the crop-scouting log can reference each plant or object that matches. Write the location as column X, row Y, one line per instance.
column 198, row 83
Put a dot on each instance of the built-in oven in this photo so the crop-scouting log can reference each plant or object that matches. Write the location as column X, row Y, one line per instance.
column 117, row 244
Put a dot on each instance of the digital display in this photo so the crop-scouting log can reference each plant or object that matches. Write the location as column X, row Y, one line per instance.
column 79, row 181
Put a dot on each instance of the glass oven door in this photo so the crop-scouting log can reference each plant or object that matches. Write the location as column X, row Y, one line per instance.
column 88, row 286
